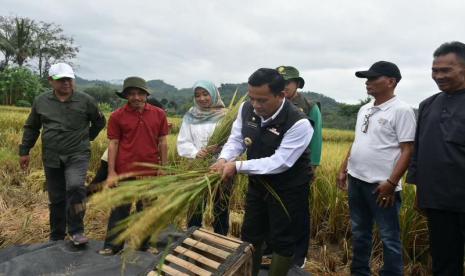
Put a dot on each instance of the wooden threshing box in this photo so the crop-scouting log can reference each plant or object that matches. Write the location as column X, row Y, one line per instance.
column 204, row 253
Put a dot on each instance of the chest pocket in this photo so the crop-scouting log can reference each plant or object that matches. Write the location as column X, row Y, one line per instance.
column 385, row 128
column 76, row 118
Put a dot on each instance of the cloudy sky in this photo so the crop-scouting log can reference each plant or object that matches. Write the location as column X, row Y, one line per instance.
column 181, row 41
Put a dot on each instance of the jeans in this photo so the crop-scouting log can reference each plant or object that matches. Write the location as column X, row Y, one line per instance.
column 364, row 211
column 447, row 239
column 67, row 195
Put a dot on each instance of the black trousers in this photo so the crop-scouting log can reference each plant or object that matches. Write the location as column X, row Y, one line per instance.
column 220, row 211
column 118, row 214
column 303, row 236
column 447, row 240
column 265, row 217
column 97, row 182
column 67, row 195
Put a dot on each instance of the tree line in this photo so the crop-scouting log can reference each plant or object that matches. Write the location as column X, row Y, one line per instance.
column 28, row 49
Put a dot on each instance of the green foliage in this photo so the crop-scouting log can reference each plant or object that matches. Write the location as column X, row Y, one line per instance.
column 50, row 45
column 344, row 117
column 105, row 107
column 23, row 103
column 16, row 39
column 351, row 110
column 19, row 84
column 22, row 39
column 105, row 93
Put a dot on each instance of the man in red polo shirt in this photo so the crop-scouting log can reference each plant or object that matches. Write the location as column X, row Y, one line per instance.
column 137, row 133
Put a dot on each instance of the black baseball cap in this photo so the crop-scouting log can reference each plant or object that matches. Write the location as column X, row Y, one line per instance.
column 381, row 68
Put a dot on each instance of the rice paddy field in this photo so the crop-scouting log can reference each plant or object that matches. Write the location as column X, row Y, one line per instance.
column 24, row 203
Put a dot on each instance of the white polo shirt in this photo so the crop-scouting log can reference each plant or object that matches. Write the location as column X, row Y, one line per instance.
column 375, row 153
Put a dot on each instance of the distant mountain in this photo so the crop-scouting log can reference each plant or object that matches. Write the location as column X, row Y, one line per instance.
column 116, row 81
column 83, row 83
column 328, row 104
column 160, row 86
column 178, row 101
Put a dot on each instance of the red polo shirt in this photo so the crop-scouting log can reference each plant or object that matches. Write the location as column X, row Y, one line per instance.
column 138, row 134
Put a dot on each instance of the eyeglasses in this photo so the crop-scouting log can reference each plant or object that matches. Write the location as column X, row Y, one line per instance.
column 366, row 121
column 65, row 80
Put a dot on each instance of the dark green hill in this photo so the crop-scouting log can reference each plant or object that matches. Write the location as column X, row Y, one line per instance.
column 177, row 101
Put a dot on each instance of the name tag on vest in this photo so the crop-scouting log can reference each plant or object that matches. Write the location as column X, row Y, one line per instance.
column 273, row 130
column 253, row 125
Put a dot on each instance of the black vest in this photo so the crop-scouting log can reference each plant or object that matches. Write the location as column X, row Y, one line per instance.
column 264, row 141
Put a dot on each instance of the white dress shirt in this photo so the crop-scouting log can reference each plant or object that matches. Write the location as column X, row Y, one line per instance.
column 294, row 143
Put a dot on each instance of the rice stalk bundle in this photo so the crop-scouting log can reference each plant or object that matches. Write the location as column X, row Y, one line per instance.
column 223, row 129
column 166, row 199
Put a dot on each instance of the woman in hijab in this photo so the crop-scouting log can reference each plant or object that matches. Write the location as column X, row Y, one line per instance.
column 197, row 126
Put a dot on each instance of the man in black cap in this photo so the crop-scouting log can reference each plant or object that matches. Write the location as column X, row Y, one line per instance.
column 438, row 162
column 374, row 167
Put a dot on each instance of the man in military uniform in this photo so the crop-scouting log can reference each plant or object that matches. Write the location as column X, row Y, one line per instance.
column 276, row 136
column 312, row 110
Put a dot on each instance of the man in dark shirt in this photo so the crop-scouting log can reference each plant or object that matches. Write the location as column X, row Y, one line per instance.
column 293, row 82
column 69, row 120
column 438, row 163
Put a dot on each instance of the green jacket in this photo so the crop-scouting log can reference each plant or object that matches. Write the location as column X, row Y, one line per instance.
column 67, row 127
column 313, row 112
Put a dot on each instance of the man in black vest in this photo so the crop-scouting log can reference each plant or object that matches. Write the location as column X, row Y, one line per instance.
column 276, row 136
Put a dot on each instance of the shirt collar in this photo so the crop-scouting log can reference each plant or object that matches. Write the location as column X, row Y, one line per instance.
column 272, row 116
column 458, row 92
column 73, row 98
column 384, row 106
column 128, row 108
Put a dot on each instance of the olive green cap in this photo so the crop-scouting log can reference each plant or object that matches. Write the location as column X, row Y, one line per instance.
column 134, row 82
column 291, row 73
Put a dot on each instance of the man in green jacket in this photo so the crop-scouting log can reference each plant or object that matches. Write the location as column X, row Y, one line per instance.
column 69, row 120
column 312, row 110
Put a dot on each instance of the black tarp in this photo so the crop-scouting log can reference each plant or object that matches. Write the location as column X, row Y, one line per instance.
column 62, row 258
